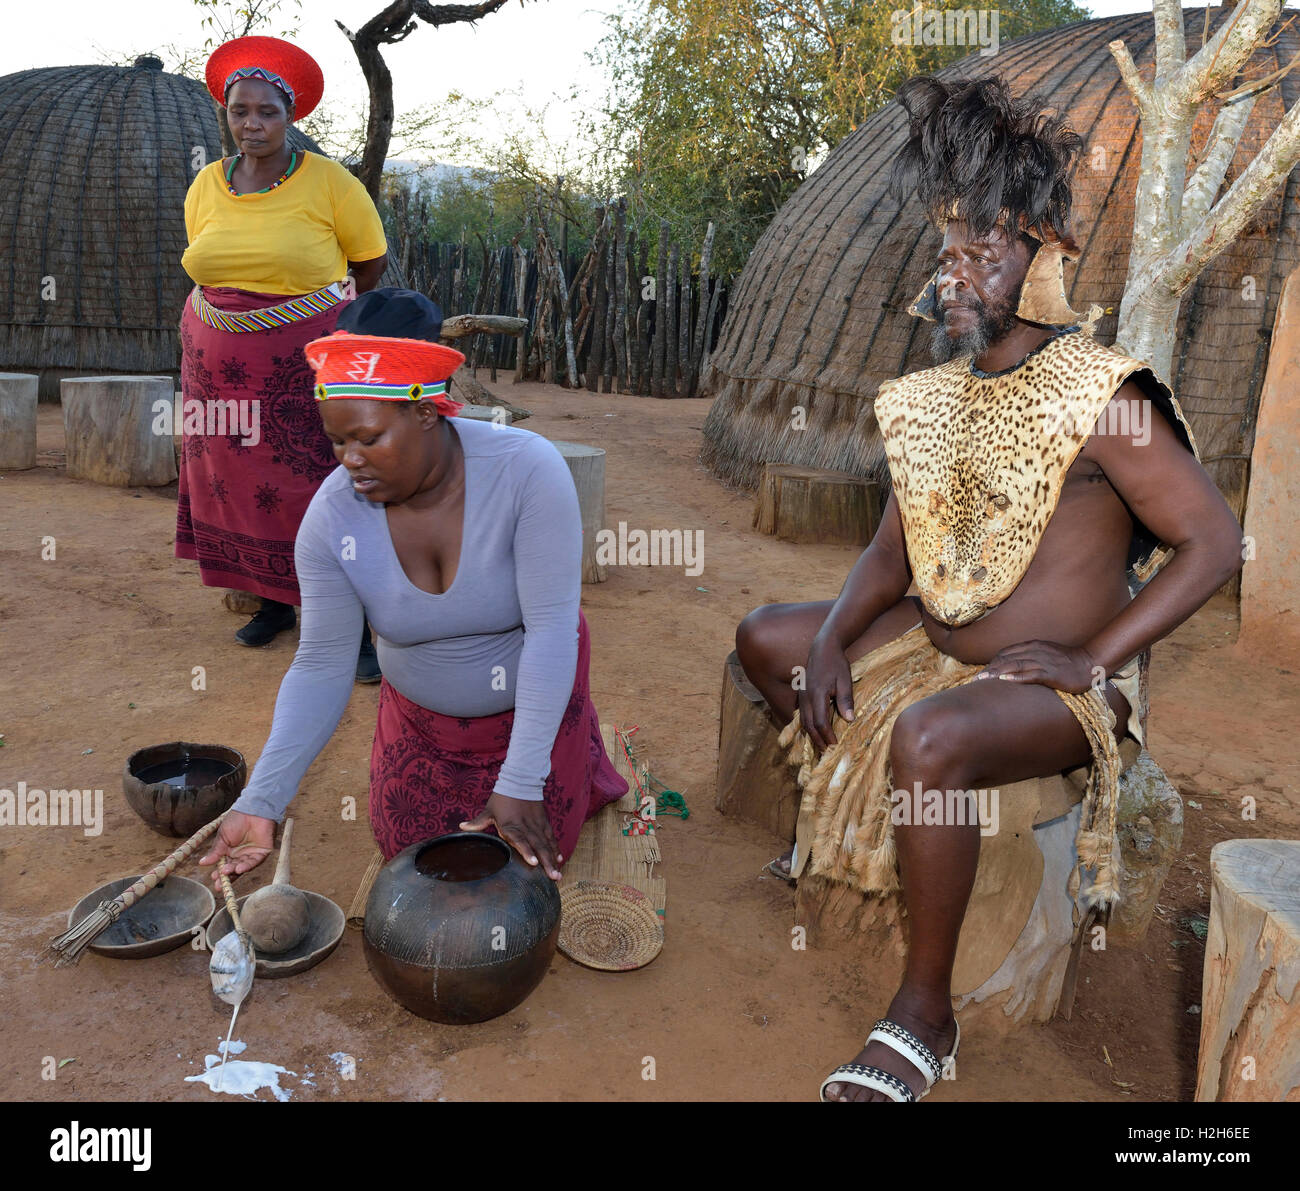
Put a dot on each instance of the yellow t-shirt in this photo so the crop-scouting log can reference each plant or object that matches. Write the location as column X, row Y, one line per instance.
column 294, row 239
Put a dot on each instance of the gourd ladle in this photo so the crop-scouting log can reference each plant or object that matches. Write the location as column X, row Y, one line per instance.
column 231, row 967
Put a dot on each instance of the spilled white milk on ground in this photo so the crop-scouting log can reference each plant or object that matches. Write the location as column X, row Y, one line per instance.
column 241, row 1077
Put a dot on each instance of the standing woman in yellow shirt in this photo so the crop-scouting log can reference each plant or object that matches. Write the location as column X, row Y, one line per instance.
column 273, row 235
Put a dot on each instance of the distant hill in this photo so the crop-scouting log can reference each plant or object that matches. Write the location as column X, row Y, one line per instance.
column 435, row 173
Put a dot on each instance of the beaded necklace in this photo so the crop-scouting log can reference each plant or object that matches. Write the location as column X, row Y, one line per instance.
column 234, row 161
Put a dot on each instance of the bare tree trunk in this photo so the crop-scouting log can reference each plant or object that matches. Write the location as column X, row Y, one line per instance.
column 611, row 308
column 702, row 324
column 684, row 326
column 714, row 298
column 482, row 297
column 669, row 308
column 596, row 353
column 549, row 263
column 633, row 299
column 620, row 294
column 395, row 23
column 661, row 285
column 643, row 346
column 521, row 278
column 1177, row 227
column 582, row 287
column 497, row 307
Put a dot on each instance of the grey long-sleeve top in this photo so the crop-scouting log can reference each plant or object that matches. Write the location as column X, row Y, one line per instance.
column 504, row 634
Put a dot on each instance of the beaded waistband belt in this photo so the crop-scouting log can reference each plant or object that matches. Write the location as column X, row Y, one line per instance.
column 295, row 310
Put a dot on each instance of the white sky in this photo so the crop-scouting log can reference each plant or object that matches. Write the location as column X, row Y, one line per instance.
column 536, row 49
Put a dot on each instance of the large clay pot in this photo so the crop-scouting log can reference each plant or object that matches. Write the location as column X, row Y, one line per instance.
column 459, row 929
column 176, row 788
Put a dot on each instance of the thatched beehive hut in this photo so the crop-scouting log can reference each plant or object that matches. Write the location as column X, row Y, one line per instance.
column 94, row 165
column 818, row 316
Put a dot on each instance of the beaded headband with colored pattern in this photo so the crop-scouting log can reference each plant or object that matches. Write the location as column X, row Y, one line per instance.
column 351, row 389
column 258, row 72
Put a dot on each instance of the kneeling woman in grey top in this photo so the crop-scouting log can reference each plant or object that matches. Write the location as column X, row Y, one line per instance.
column 460, row 543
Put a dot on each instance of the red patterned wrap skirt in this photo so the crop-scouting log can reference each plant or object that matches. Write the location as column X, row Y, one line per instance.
column 429, row 772
column 243, row 496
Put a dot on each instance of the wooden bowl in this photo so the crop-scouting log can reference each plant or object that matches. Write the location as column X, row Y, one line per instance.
column 323, row 935
column 179, row 805
column 162, row 920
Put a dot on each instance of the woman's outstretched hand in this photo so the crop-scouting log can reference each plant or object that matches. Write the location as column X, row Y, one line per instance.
column 243, row 842
column 524, row 826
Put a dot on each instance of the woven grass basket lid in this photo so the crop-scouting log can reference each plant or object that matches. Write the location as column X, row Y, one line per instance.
column 608, row 926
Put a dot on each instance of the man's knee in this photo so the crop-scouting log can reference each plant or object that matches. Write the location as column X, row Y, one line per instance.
column 932, row 744
column 755, row 637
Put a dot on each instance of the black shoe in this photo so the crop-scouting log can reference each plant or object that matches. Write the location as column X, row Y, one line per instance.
column 367, row 661
column 273, row 618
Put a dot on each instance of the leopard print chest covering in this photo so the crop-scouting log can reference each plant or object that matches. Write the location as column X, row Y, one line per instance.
column 978, row 461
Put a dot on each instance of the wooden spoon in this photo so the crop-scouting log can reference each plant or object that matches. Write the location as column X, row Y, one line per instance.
column 278, row 916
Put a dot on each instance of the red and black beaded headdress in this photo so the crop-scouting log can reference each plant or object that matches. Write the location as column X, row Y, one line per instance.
column 280, row 63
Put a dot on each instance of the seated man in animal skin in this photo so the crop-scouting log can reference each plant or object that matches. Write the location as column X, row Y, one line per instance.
column 1018, row 516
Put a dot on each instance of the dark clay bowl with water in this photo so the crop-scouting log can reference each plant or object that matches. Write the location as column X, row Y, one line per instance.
column 176, row 788
column 460, row 929
column 159, row 922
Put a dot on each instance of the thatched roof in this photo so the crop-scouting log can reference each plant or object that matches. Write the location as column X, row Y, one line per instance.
column 818, row 318
column 94, row 165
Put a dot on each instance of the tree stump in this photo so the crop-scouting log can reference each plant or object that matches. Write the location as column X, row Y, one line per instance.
column 1014, row 950
column 807, row 504
column 464, row 387
column 1250, row 995
column 587, row 466
column 18, row 391
column 487, row 413
column 110, row 427
column 754, row 782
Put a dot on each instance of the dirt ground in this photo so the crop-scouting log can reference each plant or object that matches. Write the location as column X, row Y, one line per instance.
column 98, row 650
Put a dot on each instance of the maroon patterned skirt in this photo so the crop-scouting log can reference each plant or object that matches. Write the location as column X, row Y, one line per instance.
column 429, row 773
column 240, row 505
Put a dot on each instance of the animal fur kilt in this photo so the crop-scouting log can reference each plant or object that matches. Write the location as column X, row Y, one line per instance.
column 431, row 772
column 845, row 829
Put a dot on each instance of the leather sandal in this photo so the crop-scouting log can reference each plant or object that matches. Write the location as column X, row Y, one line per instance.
column 907, row 1044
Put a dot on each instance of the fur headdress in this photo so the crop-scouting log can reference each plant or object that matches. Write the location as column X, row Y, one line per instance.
column 976, row 153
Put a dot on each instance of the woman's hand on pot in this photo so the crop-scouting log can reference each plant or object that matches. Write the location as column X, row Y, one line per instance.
column 243, row 842
column 523, row 824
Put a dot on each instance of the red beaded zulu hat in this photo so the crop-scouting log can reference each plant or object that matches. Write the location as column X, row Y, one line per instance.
column 275, row 61
column 374, row 368
column 386, row 349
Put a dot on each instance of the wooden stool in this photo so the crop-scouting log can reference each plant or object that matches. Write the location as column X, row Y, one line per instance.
column 754, row 782
column 109, row 426
column 1250, row 995
column 17, row 420
column 587, row 465
column 1014, row 949
column 807, row 504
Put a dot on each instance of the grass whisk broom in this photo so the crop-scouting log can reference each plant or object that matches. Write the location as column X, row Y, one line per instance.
column 67, row 948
